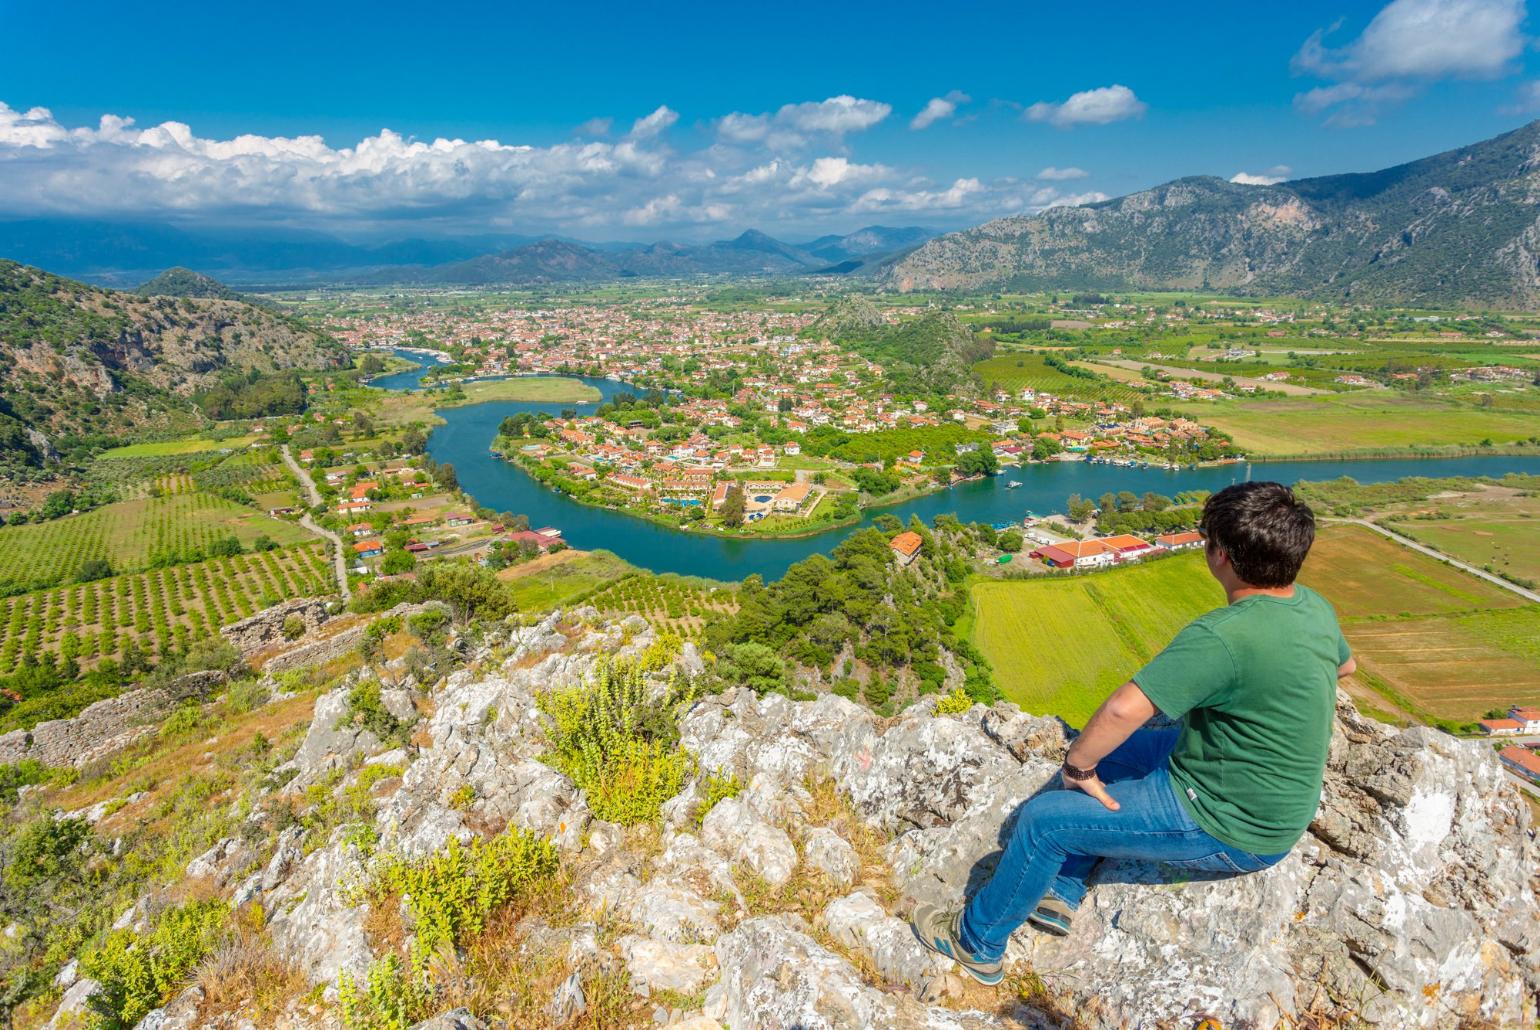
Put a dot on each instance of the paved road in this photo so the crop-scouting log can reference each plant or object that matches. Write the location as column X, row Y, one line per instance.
column 1528, row 595
column 313, row 497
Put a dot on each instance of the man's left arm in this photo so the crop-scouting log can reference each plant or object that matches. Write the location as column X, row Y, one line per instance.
column 1124, row 711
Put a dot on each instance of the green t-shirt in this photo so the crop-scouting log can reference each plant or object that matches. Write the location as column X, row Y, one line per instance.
column 1255, row 686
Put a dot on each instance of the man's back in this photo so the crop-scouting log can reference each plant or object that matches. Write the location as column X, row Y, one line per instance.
column 1255, row 685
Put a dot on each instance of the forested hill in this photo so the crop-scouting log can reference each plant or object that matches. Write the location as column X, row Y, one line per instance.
column 184, row 282
column 1459, row 227
column 934, row 353
column 77, row 359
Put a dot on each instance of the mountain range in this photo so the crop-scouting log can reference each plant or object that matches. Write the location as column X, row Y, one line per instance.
column 127, row 254
column 1462, row 227
column 751, row 253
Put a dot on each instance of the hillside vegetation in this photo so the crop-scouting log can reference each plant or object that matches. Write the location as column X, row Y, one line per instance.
column 1456, row 227
column 78, row 360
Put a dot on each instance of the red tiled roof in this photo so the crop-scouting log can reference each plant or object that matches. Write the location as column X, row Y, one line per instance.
column 1522, row 757
column 907, row 543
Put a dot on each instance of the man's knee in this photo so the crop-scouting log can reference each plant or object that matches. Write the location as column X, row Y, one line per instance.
column 1043, row 820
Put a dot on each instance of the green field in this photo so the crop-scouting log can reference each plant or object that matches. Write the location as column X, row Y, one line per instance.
column 192, row 445
column 1362, row 421
column 1059, row 645
column 131, row 535
column 1016, row 371
column 1430, row 640
column 1504, row 539
column 159, row 611
column 550, row 582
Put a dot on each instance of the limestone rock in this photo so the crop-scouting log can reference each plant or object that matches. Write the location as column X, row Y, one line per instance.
column 657, row 965
column 830, row 854
column 857, row 921
column 775, row 977
column 735, row 829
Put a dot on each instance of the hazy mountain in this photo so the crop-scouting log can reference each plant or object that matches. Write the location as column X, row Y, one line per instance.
column 129, row 253
column 81, row 359
column 872, row 241
column 751, row 253
column 1461, row 226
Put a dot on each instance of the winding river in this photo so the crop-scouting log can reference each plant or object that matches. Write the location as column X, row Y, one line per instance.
column 465, row 439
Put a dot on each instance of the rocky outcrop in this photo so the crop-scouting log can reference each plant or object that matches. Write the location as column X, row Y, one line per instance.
column 106, row 726
column 1412, row 901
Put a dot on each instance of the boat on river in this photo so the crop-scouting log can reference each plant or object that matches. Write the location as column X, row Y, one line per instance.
column 1013, row 484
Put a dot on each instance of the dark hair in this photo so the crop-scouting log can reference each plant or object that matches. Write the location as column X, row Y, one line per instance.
column 1262, row 527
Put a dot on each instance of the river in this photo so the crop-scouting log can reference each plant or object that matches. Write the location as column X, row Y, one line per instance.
column 465, row 440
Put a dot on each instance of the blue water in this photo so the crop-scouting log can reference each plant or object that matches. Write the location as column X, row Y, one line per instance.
column 411, row 378
column 465, row 438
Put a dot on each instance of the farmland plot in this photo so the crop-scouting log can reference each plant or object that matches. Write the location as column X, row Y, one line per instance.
column 159, row 611
column 131, row 535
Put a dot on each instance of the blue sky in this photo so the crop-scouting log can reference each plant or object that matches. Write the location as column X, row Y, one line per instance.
column 697, row 121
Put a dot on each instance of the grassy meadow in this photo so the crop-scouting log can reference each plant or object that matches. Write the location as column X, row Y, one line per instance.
column 1363, row 421
column 1059, row 645
column 564, row 577
column 1431, row 641
column 1018, row 370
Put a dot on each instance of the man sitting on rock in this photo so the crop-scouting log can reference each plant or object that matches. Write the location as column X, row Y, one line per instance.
column 1230, row 790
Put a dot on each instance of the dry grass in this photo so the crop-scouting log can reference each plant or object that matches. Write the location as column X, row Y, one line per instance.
column 246, row 976
column 159, row 765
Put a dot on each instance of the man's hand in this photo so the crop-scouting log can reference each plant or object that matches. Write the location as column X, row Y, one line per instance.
column 1094, row 787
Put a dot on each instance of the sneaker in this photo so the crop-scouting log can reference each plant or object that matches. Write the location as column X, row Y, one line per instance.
column 938, row 931
column 1052, row 916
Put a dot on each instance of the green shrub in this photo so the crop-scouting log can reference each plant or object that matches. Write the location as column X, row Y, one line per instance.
column 367, row 711
column 293, row 627
column 139, row 972
column 393, row 997
column 453, row 892
column 184, row 722
column 953, row 703
column 717, row 786
column 25, row 773
column 617, row 743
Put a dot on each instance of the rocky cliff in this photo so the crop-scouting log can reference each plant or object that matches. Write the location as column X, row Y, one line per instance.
column 1457, row 227
column 1411, row 902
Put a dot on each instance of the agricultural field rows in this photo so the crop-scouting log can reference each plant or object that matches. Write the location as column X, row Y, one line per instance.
column 1430, row 640
column 160, row 611
column 131, row 535
column 668, row 602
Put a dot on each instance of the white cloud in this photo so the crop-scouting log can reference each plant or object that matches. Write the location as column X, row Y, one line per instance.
column 1408, row 43
column 1272, row 177
column 652, row 124
column 756, row 172
column 837, row 115
column 1526, row 99
column 832, row 171
column 1351, row 103
column 939, row 108
column 1053, row 174
column 790, row 125
column 744, row 128
column 1426, row 39
column 1099, row 106
column 595, row 127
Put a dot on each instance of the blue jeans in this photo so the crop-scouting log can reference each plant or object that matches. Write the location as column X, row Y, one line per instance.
column 1060, row 835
